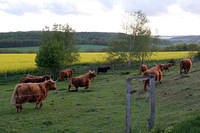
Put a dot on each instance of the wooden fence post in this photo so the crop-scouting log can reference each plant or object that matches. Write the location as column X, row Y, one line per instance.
column 152, row 103
column 128, row 105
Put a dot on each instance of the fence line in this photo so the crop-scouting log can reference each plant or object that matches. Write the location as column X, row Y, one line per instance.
column 152, row 101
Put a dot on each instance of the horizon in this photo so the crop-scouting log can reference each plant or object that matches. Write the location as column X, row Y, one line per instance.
column 97, row 32
column 166, row 18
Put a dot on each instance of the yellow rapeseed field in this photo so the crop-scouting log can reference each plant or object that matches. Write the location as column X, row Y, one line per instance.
column 23, row 62
column 16, row 62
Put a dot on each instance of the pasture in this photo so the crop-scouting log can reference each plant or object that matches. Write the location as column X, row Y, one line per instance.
column 24, row 62
column 81, row 48
column 101, row 108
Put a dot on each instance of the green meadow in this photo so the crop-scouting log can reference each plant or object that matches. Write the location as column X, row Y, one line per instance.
column 101, row 108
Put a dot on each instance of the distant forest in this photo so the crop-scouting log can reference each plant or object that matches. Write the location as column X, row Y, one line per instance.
column 32, row 38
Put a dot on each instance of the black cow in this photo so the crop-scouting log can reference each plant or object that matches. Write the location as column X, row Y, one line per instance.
column 103, row 69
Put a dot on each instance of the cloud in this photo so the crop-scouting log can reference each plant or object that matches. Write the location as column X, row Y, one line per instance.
column 190, row 5
column 18, row 8
column 108, row 3
column 22, row 8
column 61, row 8
column 149, row 7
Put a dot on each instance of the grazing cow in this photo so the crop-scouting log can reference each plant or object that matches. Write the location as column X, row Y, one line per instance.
column 34, row 79
column 82, row 80
column 66, row 73
column 186, row 65
column 31, row 92
column 103, row 69
column 154, row 70
column 166, row 66
column 143, row 68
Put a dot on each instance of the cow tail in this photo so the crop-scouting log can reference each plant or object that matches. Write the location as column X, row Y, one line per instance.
column 13, row 98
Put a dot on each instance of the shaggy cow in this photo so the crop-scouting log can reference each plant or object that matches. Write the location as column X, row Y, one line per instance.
column 103, row 69
column 186, row 65
column 67, row 73
column 143, row 68
column 154, row 70
column 82, row 80
column 35, row 79
column 166, row 66
column 31, row 92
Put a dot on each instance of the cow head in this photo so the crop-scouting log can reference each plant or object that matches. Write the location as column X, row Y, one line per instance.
column 50, row 85
column 160, row 66
column 92, row 74
column 190, row 58
column 47, row 77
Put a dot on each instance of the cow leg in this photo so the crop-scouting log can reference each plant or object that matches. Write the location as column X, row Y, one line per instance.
column 160, row 77
column 180, row 71
column 17, row 108
column 88, row 84
column 146, row 83
column 86, row 87
column 76, row 88
column 41, row 104
column 188, row 70
column 20, row 108
column 69, row 87
column 185, row 71
column 36, row 105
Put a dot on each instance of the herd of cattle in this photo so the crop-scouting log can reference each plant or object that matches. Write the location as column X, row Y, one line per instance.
column 185, row 64
column 34, row 89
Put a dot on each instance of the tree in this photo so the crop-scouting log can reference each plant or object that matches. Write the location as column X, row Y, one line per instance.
column 57, row 49
column 117, row 49
column 136, row 43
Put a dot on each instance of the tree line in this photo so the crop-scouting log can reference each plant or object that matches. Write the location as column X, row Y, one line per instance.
column 179, row 47
column 33, row 38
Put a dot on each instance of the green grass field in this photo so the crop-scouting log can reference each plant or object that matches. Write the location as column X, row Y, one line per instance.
column 21, row 49
column 101, row 108
column 82, row 48
column 91, row 48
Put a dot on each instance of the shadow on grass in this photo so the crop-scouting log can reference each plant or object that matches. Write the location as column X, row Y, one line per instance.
column 182, row 76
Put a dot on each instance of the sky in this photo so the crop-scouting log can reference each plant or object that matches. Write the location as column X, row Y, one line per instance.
column 166, row 17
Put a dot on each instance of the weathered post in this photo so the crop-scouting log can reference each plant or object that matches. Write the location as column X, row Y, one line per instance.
column 128, row 105
column 152, row 103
